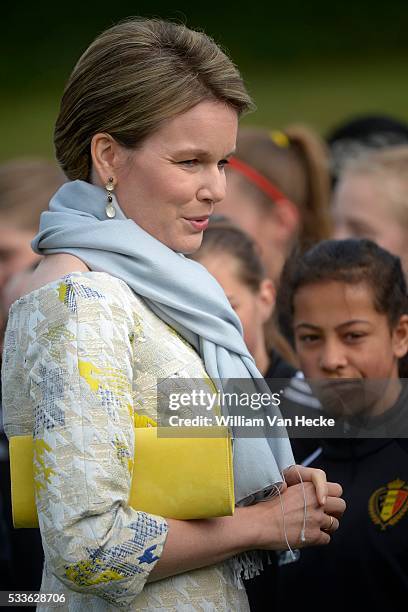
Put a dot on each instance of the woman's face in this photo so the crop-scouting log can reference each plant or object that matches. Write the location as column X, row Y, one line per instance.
column 362, row 208
column 170, row 185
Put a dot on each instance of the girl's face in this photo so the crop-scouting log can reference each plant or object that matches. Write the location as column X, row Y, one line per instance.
column 340, row 334
column 170, row 184
column 252, row 307
column 363, row 208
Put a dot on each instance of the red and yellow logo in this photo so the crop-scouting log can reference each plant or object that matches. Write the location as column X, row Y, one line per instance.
column 387, row 505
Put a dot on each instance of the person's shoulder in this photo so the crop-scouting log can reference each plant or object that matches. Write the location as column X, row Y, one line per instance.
column 75, row 294
column 96, row 285
column 84, row 284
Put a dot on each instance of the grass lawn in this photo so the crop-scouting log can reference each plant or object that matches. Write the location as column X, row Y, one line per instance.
column 319, row 94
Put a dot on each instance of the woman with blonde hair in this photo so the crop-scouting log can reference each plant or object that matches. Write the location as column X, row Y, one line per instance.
column 147, row 122
column 278, row 191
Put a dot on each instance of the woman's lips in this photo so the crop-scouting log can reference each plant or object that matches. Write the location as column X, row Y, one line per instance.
column 199, row 224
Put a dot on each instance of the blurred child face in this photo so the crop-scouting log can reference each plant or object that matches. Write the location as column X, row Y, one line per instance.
column 16, row 256
column 252, row 307
column 363, row 208
column 273, row 230
column 339, row 334
column 16, row 253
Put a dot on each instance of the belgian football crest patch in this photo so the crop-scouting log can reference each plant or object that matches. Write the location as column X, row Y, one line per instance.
column 388, row 504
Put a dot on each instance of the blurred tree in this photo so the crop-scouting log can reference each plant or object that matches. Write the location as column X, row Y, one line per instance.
column 313, row 61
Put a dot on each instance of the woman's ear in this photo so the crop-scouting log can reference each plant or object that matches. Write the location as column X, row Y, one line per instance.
column 106, row 157
column 287, row 215
column 266, row 299
column 400, row 337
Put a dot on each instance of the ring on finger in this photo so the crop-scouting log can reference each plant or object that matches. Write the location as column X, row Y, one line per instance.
column 328, row 529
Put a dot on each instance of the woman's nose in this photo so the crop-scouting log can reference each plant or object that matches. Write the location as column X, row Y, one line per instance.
column 214, row 187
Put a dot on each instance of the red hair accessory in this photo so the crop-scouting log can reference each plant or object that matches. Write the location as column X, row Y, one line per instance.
column 259, row 180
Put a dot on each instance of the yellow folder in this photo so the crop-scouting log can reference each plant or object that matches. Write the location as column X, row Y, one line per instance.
column 182, row 473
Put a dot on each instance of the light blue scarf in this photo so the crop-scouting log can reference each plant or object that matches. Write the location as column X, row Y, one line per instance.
column 182, row 293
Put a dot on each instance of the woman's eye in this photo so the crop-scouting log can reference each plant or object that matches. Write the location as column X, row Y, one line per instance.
column 190, row 163
column 222, row 163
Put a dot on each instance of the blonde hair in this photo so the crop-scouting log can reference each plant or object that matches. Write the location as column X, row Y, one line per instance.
column 296, row 162
column 133, row 77
column 389, row 166
column 26, row 186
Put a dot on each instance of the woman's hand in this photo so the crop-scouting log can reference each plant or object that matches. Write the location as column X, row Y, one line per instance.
column 296, row 473
column 324, row 490
column 322, row 520
column 193, row 544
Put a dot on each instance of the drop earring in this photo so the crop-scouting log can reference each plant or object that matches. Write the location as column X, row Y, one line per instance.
column 109, row 208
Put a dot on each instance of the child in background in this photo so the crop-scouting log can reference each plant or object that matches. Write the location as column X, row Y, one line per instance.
column 361, row 134
column 26, row 186
column 371, row 200
column 231, row 256
column 278, row 190
column 348, row 307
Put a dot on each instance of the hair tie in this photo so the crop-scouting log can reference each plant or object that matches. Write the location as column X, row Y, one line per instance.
column 258, row 179
column 280, row 138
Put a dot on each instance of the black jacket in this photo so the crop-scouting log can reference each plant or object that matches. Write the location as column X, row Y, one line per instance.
column 366, row 564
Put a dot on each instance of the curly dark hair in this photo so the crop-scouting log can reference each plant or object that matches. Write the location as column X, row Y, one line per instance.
column 350, row 261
